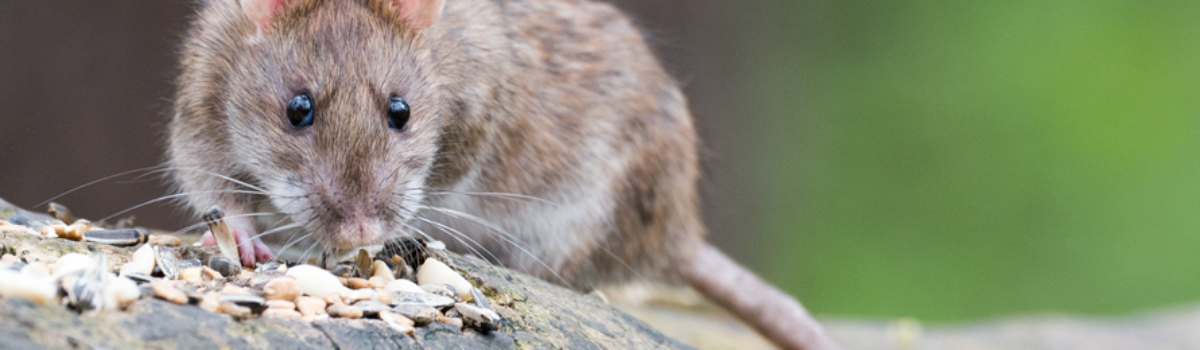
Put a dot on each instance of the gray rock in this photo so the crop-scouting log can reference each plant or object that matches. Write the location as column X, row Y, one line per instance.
column 420, row 299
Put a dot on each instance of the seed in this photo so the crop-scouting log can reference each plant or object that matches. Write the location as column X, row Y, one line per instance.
column 282, row 288
column 483, row 320
column 382, row 271
column 435, row 272
column 235, row 310
column 192, row 275
column 363, row 264
column 357, row 283
column 310, row 306
column 60, row 212
column 315, row 281
column 422, row 299
column 164, row 258
column 377, row 282
column 210, row 302
column 399, row 323
column 225, row 266
column 142, row 262
column 281, row 304
column 121, row 237
column 344, row 311
column 281, row 313
column 164, row 290
column 226, row 242
column 72, row 263
column 402, row 285
column 119, row 292
column 164, row 240
column 37, row 290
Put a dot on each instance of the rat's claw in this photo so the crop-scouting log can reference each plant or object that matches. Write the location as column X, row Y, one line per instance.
column 250, row 250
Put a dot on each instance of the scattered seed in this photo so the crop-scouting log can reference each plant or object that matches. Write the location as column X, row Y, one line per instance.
column 119, row 292
column 421, row 299
column 363, row 265
column 371, row 308
column 441, row 289
column 282, row 288
column 164, row 240
column 310, row 306
column 143, row 261
column 49, row 232
column 315, row 281
column 226, row 242
column 418, row 313
column 480, row 299
column 164, row 258
column 481, row 319
column 164, row 290
column 344, row 311
column 435, row 272
column 281, row 304
column 334, row 299
column 183, row 264
column 210, row 274
column 281, row 313
column 230, row 289
column 59, row 211
column 253, row 302
column 210, row 302
column 456, row 322
column 354, row 296
column 226, row 266
column 192, row 275
column 235, row 310
column 399, row 323
column 380, row 270
column 122, row 237
column 357, row 283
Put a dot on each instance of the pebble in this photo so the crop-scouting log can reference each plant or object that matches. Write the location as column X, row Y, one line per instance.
column 334, row 299
column 383, row 297
column 165, row 240
column 397, row 322
column 402, row 285
column 142, row 262
column 119, row 292
column 480, row 299
column 315, row 281
column 230, row 289
column 421, row 299
column 382, row 271
column 344, row 311
column 192, row 275
column 419, row 313
column 225, row 266
column 120, row 237
column 281, row 304
column 310, row 306
column 281, row 313
column 210, row 274
column 164, row 258
column 441, row 289
column 282, row 288
column 483, row 320
column 226, row 242
column 164, row 290
column 357, row 283
column 435, row 272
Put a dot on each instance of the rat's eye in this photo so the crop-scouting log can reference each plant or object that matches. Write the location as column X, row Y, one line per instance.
column 397, row 113
column 300, row 110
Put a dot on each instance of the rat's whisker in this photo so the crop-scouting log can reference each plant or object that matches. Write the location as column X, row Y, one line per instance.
column 106, row 178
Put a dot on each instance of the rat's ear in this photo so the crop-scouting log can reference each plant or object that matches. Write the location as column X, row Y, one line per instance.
column 261, row 11
column 419, row 14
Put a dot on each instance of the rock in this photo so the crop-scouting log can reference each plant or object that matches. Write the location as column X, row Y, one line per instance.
column 163, row 240
column 456, row 322
column 225, row 266
column 371, row 308
column 235, row 310
column 380, row 270
column 378, row 282
column 310, row 306
column 143, row 261
column 230, row 289
column 282, row 288
column 481, row 319
column 402, row 285
column 189, row 263
column 166, row 291
column 421, row 299
column 210, row 302
column 36, row 289
column 351, row 297
column 344, row 311
column 315, row 281
column 250, row 301
column 436, row 272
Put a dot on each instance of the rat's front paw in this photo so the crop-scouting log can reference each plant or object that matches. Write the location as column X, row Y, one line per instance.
column 250, row 248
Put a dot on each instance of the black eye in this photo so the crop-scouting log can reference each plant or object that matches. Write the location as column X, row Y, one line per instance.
column 397, row 113
column 300, row 110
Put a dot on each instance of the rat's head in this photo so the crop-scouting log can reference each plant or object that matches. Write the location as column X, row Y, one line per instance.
column 331, row 107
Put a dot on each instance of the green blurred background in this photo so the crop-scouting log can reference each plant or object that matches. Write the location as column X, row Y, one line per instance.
column 957, row 160
column 943, row 160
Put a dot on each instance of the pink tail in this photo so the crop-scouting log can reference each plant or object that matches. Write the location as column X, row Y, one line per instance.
column 772, row 312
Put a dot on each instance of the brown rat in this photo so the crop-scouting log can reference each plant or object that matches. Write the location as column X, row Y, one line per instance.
column 543, row 135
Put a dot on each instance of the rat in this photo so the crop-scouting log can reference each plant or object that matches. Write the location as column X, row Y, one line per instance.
column 542, row 135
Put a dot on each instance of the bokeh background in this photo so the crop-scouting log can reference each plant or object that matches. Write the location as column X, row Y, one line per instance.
column 940, row 160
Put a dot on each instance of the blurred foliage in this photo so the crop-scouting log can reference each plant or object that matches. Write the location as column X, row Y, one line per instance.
column 961, row 160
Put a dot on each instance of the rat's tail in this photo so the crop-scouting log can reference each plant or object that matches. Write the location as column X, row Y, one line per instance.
column 773, row 313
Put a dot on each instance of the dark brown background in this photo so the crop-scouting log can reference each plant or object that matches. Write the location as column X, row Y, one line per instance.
column 85, row 89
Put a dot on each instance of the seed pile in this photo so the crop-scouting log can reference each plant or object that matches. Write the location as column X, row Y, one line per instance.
column 389, row 286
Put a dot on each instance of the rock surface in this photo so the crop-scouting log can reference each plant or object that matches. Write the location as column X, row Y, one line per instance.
column 536, row 315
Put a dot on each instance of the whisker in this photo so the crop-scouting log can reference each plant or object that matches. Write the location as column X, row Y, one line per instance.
column 106, row 178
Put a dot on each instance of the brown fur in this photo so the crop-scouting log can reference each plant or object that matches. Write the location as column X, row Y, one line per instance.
column 558, row 99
